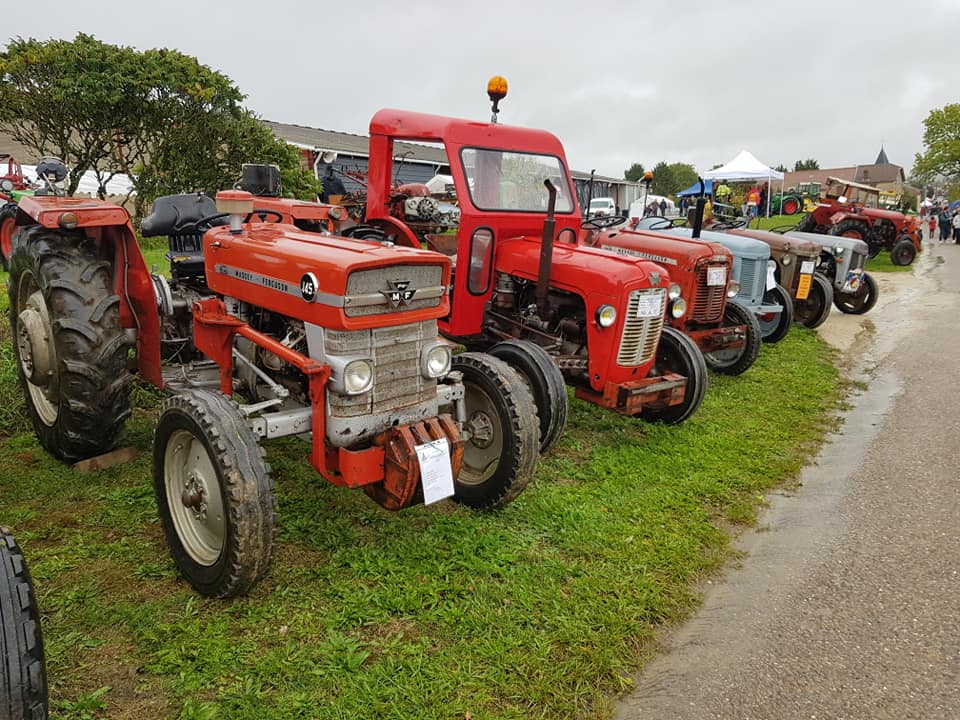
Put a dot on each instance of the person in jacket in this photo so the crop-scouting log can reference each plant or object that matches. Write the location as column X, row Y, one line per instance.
column 946, row 224
column 956, row 226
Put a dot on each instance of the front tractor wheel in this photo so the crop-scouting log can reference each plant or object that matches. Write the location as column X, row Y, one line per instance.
column 71, row 351
column 214, row 494
column 734, row 361
column 8, row 226
column 546, row 383
column 903, row 251
column 813, row 311
column 677, row 353
column 861, row 301
column 775, row 326
column 791, row 206
column 501, row 432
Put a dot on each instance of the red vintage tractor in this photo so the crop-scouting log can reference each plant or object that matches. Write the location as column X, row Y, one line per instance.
column 525, row 289
column 850, row 209
column 12, row 185
column 262, row 330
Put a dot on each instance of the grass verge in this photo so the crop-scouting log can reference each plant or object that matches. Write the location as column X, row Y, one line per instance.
column 540, row 610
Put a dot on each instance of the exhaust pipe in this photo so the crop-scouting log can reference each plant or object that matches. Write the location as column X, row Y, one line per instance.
column 546, row 250
column 698, row 213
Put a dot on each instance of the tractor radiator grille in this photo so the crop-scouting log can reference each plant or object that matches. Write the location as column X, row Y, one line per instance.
column 396, row 288
column 752, row 280
column 395, row 352
column 640, row 334
column 708, row 303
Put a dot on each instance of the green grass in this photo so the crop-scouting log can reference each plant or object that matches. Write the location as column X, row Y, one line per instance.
column 540, row 610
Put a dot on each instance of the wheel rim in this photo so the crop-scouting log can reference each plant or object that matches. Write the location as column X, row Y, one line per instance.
column 789, row 207
column 809, row 309
column 727, row 357
column 34, row 346
column 6, row 236
column 194, row 498
column 481, row 454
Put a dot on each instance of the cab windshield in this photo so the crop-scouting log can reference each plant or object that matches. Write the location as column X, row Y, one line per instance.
column 504, row 180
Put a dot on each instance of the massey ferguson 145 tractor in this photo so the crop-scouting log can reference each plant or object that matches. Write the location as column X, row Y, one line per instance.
column 323, row 337
column 702, row 304
column 524, row 289
column 849, row 209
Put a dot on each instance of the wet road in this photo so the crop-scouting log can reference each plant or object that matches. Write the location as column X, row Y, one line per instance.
column 846, row 603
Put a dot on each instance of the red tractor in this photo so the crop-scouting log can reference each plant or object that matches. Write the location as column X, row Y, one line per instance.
column 853, row 210
column 12, row 185
column 525, row 289
column 262, row 330
column 702, row 304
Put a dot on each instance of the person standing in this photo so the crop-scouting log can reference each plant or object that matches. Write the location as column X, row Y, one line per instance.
column 763, row 200
column 956, row 226
column 932, row 224
column 945, row 223
column 723, row 192
column 753, row 203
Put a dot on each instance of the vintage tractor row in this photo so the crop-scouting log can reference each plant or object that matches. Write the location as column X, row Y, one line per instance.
column 850, row 209
column 263, row 330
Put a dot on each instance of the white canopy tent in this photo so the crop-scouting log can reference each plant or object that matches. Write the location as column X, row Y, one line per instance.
column 746, row 167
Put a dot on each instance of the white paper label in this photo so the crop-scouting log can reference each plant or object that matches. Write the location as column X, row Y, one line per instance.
column 716, row 276
column 435, row 472
column 649, row 306
column 771, row 279
column 807, row 267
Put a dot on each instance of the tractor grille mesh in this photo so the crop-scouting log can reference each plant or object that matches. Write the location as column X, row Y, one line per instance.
column 752, row 280
column 395, row 352
column 368, row 287
column 640, row 334
column 708, row 302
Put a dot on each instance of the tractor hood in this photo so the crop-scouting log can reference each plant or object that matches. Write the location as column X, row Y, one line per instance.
column 667, row 250
column 742, row 247
column 778, row 243
column 330, row 281
column 856, row 246
column 581, row 269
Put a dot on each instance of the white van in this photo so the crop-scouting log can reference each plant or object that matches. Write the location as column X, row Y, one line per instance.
column 602, row 206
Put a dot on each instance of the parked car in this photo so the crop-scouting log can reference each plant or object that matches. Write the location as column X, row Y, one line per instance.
column 602, row 207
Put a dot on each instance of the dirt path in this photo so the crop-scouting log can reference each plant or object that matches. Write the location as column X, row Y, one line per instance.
column 847, row 601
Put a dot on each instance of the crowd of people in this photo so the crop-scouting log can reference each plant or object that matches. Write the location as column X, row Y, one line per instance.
column 946, row 220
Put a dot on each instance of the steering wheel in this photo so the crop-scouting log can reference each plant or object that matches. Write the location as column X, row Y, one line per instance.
column 208, row 219
column 601, row 222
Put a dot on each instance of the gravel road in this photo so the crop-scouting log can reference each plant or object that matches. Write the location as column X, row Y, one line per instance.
column 846, row 603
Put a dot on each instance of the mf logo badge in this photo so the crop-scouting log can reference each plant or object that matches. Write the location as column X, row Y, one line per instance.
column 654, row 278
column 308, row 287
column 399, row 292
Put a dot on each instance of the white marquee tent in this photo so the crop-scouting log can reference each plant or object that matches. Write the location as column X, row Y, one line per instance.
column 746, row 167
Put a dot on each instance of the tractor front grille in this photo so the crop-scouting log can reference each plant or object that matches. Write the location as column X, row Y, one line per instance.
column 640, row 337
column 395, row 352
column 394, row 288
column 709, row 299
column 752, row 280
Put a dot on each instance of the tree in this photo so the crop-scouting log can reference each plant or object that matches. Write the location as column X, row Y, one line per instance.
column 671, row 178
column 781, row 168
column 172, row 124
column 808, row 164
column 941, row 142
column 634, row 173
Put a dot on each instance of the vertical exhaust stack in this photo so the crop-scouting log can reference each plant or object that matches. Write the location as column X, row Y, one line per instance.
column 546, row 250
column 698, row 213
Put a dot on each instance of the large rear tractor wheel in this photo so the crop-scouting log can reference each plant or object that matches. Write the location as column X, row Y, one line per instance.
column 790, row 206
column 813, row 311
column 807, row 224
column 23, row 675
column 775, row 326
column 903, row 251
column 71, row 351
column 861, row 301
column 501, row 432
column 546, row 384
column 8, row 219
column 735, row 361
column 214, row 494
column 852, row 228
column 679, row 354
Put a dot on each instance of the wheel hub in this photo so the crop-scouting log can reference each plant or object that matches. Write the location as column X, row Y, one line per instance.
column 481, row 429
column 35, row 349
column 193, row 495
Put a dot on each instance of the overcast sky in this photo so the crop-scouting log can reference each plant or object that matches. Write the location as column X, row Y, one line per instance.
column 618, row 82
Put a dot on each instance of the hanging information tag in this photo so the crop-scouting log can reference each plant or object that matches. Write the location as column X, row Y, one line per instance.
column 771, row 279
column 435, row 473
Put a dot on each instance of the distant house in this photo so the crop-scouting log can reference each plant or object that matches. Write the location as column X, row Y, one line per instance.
column 883, row 175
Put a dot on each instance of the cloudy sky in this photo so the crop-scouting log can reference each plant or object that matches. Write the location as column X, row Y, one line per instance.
column 619, row 82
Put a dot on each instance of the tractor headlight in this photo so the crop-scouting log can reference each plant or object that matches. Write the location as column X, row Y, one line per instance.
column 606, row 316
column 436, row 361
column 674, row 292
column 838, row 251
column 357, row 377
column 785, row 260
column 733, row 289
column 771, row 264
column 678, row 308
